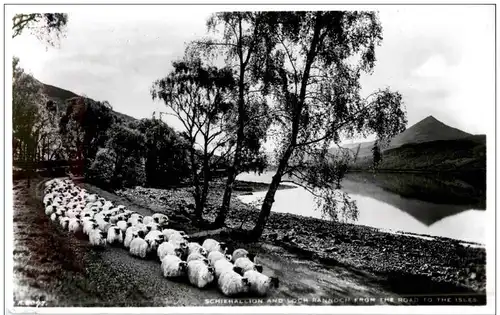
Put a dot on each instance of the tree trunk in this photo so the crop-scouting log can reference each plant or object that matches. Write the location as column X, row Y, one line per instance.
column 265, row 210
column 297, row 111
column 233, row 169
column 196, row 194
column 206, row 181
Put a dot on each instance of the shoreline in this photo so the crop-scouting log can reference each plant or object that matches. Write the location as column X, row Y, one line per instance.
column 262, row 186
column 381, row 230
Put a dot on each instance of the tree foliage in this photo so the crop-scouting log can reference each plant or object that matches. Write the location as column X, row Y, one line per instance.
column 243, row 43
column 83, row 129
column 165, row 152
column 201, row 97
column 120, row 163
column 313, row 75
column 34, row 127
column 48, row 27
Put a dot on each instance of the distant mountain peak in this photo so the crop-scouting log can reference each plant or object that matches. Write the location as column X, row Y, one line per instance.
column 428, row 120
column 426, row 130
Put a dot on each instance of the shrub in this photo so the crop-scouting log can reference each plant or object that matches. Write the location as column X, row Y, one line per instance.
column 166, row 154
column 132, row 173
column 102, row 169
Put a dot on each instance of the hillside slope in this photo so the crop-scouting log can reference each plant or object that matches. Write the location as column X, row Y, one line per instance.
column 465, row 154
column 59, row 96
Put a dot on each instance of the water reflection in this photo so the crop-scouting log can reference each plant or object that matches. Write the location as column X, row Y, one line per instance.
column 426, row 198
column 434, row 205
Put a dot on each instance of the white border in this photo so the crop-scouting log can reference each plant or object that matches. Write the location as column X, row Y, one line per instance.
column 259, row 5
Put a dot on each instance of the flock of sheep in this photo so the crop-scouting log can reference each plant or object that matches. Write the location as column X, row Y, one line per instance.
column 144, row 236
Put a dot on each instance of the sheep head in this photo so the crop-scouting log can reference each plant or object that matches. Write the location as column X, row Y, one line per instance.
column 178, row 252
column 203, row 251
column 245, row 281
column 275, row 282
column 183, row 266
column 258, row 268
column 238, row 270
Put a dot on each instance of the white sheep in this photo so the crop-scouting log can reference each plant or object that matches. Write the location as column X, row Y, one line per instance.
column 153, row 244
column 215, row 256
column 199, row 273
column 75, row 225
column 212, row 245
column 129, row 233
column 147, row 219
column 97, row 238
column 231, row 283
column 160, row 218
column 180, row 243
column 50, row 209
column 141, row 227
column 91, row 198
column 129, row 237
column 48, row 198
column 196, row 256
column 171, row 232
column 246, row 264
column 152, row 226
column 261, row 284
column 240, row 252
column 123, row 225
column 61, row 211
column 138, row 247
column 115, row 235
column 89, row 225
column 72, row 213
column 87, row 214
column 64, row 222
column 107, row 205
column 194, row 247
column 154, row 235
column 167, row 248
column 173, row 267
column 223, row 265
column 178, row 238
column 135, row 220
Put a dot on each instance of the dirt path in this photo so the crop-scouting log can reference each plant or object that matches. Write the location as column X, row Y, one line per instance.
column 59, row 269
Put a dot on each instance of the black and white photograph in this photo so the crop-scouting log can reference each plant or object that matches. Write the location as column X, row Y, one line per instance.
column 250, row 157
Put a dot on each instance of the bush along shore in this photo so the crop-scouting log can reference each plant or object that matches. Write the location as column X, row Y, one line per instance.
column 405, row 264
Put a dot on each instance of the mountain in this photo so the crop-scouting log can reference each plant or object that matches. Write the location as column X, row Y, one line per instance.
column 427, row 130
column 59, row 97
column 429, row 145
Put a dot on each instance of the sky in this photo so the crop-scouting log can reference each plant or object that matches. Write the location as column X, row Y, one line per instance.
column 440, row 58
